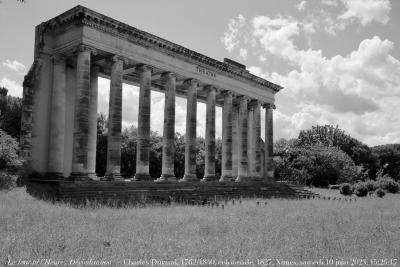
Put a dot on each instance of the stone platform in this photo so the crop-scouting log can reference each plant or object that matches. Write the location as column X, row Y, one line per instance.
column 164, row 192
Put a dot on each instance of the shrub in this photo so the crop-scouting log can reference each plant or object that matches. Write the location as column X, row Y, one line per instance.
column 380, row 192
column 388, row 184
column 371, row 185
column 7, row 181
column 8, row 153
column 360, row 189
column 345, row 189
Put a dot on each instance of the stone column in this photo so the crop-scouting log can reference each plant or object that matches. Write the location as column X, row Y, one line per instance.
column 269, row 142
column 227, row 114
column 242, row 140
column 81, row 125
column 209, row 157
column 55, row 164
column 168, row 83
column 143, row 140
column 91, row 165
column 190, row 136
column 256, row 172
column 113, row 171
column 250, row 161
column 235, row 115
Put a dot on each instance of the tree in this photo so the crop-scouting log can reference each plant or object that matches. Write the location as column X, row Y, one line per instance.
column 331, row 136
column 389, row 159
column 10, row 113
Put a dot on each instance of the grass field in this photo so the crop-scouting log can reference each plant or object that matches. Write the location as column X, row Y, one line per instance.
column 284, row 230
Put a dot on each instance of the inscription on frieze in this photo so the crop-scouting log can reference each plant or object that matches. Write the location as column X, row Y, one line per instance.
column 205, row 71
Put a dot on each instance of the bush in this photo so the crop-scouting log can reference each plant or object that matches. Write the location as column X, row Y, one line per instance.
column 371, row 185
column 360, row 189
column 345, row 189
column 8, row 153
column 380, row 192
column 388, row 184
column 7, row 181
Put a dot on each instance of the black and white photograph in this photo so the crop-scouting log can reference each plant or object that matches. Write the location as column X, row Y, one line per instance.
column 200, row 133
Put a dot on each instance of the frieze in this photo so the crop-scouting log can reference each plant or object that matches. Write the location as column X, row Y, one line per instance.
column 84, row 16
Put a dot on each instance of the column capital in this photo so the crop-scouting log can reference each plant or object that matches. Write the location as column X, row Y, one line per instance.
column 143, row 68
column 118, row 58
column 209, row 88
column 254, row 102
column 168, row 74
column 227, row 93
column 268, row 106
column 191, row 81
column 58, row 58
column 85, row 48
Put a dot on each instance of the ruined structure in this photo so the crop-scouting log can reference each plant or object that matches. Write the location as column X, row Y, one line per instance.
column 60, row 102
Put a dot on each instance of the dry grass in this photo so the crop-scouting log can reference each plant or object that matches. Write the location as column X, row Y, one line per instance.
column 284, row 229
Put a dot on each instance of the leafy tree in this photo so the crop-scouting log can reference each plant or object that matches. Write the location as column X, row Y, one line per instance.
column 10, row 113
column 331, row 136
column 389, row 159
column 8, row 153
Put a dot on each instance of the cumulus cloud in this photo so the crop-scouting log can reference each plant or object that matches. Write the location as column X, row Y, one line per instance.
column 14, row 65
column 367, row 11
column 231, row 35
column 357, row 91
column 301, row 6
column 14, row 88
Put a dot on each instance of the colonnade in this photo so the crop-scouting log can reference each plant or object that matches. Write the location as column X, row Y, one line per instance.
column 242, row 157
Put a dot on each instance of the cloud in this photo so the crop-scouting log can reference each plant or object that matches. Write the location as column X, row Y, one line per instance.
column 230, row 36
column 301, row 6
column 354, row 91
column 366, row 11
column 14, row 65
column 243, row 53
column 14, row 88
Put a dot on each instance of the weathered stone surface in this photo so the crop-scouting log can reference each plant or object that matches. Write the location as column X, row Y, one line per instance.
column 255, row 141
column 143, row 141
column 81, row 125
column 55, row 164
column 115, row 121
column 227, row 114
column 91, row 165
column 168, row 82
column 242, row 141
column 190, row 136
column 42, row 87
column 269, row 143
column 209, row 157
column 235, row 136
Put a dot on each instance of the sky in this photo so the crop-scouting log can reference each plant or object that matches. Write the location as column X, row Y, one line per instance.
column 338, row 60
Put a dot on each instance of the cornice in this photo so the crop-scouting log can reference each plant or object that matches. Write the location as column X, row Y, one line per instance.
column 80, row 15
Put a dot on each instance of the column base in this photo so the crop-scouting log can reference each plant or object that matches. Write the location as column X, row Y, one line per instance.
column 166, row 178
column 189, row 178
column 53, row 176
column 209, row 178
column 141, row 177
column 79, row 176
column 113, row 176
column 92, row 176
column 242, row 178
column 226, row 178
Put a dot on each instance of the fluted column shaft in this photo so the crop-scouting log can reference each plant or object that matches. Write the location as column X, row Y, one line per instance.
column 235, row 136
column 168, row 83
column 256, row 140
column 81, row 125
column 143, row 141
column 190, row 136
column 94, row 73
column 242, row 141
column 113, row 171
column 55, row 166
column 269, row 143
column 209, row 157
column 227, row 114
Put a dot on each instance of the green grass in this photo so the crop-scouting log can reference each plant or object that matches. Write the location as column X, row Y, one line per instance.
column 284, row 229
